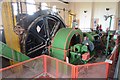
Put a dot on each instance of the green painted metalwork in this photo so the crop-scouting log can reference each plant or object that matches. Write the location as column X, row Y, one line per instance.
column 11, row 54
column 84, row 49
column 74, row 59
column 91, row 38
column 62, row 42
column 108, row 37
column 76, row 53
column 77, row 48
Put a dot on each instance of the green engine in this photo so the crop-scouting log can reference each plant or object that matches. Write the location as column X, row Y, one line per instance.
column 69, row 45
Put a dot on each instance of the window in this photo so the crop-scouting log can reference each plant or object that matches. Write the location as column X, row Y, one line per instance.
column 31, row 7
column 44, row 6
column 54, row 9
column 15, row 8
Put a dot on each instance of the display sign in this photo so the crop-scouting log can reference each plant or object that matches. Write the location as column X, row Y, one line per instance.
column 119, row 23
column 96, row 21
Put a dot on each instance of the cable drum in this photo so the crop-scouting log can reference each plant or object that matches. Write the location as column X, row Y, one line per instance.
column 63, row 40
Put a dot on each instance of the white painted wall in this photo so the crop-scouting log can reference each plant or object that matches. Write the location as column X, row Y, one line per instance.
column 100, row 11
column 84, row 18
column 94, row 10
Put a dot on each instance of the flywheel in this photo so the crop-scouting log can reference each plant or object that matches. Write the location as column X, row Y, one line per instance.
column 39, row 28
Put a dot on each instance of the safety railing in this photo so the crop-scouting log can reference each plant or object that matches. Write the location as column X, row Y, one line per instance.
column 40, row 66
column 58, row 68
column 27, row 69
column 44, row 65
column 113, row 58
column 95, row 70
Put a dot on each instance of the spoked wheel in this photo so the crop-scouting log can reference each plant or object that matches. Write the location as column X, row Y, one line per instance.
column 39, row 34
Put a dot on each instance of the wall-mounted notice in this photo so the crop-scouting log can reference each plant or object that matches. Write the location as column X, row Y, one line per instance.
column 119, row 23
column 96, row 21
